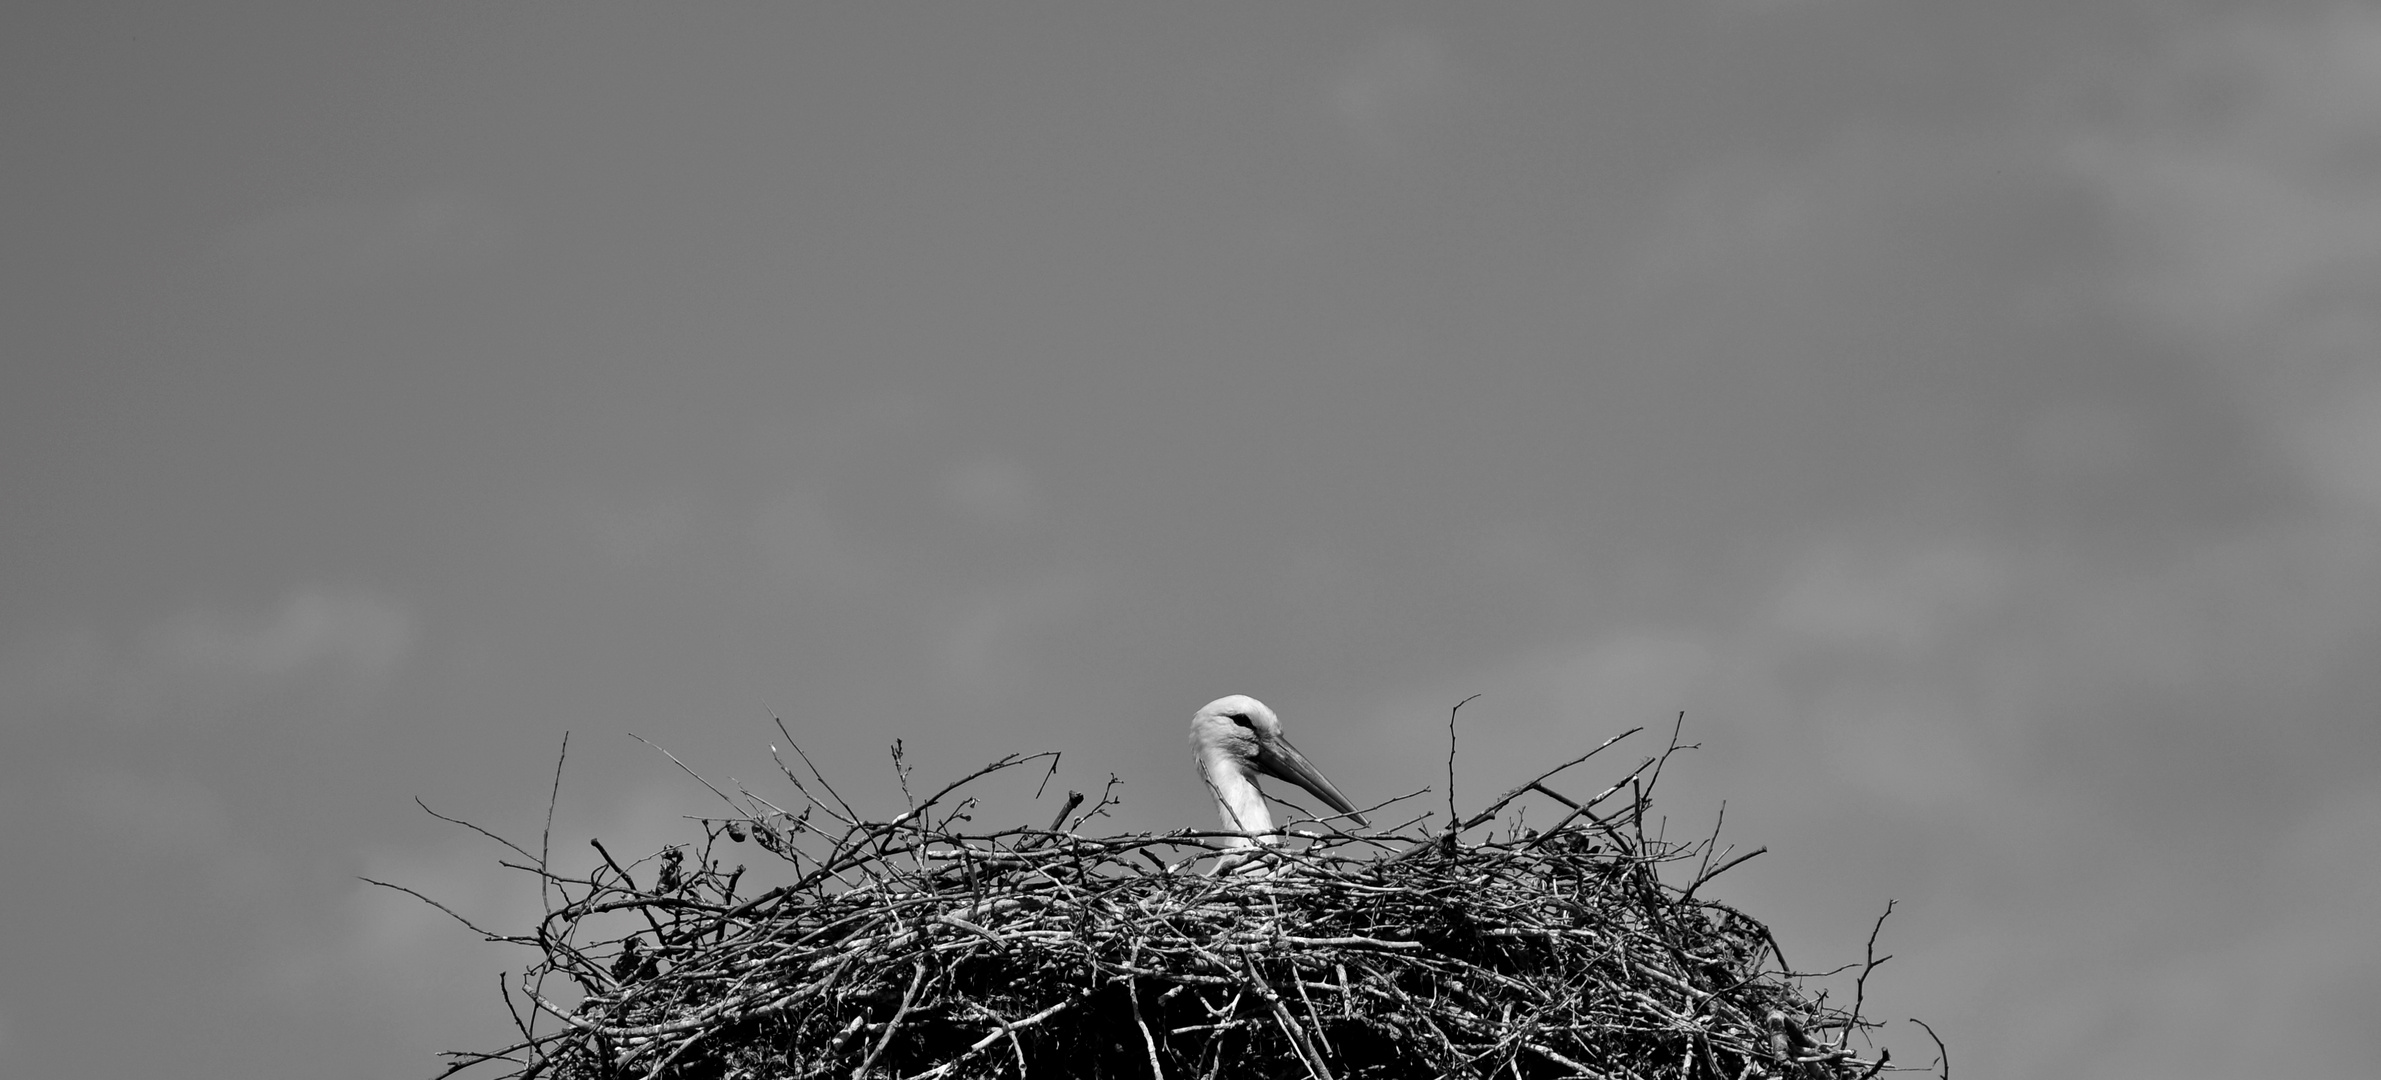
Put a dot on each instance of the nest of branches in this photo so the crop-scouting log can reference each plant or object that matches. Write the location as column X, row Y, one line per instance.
column 917, row 948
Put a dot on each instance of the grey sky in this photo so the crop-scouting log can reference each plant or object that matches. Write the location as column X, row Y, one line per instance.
column 1970, row 415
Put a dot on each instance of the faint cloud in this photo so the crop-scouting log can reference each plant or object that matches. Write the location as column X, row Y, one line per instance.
column 1913, row 750
column 994, row 491
column 840, row 430
column 2251, row 157
column 2330, row 863
column 1630, row 678
column 359, row 635
column 193, row 663
column 61, row 670
column 2339, row 440
column 161, row 813
column 178, row 821
column 802, row 545
column 1396, row 87
column 828, row 471
column 2265, row 610
column 305, row 251
column 2245, row 166
column 1874, row 662
column 1270, row 241
column 1953, row 672
column 1892, row 602
column 1750, row 208
column 2081, row 440
column 991, row 641
column 633, row 533
column 1775, row 236
column 2305, row 975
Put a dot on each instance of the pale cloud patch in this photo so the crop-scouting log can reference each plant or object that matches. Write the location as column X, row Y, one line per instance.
column 193, row 663
column 1955, row 657
column 2245, row 166
column 839, row 431
column 2339, row 440
column 356, row 634
column 2329, row 865
column 1879, row 656
column 803, row 525
column 176, row 822
column 638, row 532
column 2247, row 154
column 994, row 491
column 1910, row 748
column 1393, row 90
column 1627, row 679
column 1785, row 231
column 994, row 638
column 1748, row 208
column 2084, row 441
column 2263, row 610
column 2302, row 977
column 1896, row 602
column 305, row 251
column 57, row 670
column 802, row 544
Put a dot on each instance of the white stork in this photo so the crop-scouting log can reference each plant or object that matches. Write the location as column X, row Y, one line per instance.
column 1236, row 738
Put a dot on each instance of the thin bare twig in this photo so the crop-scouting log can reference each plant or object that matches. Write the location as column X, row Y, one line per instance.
column 1860, row 985
column 1452, row 827
column 1942, row 1053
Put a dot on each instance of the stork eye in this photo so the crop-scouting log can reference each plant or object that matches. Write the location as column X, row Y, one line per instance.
column 1242, row 719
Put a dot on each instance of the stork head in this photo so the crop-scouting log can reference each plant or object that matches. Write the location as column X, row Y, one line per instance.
column 1237, row 737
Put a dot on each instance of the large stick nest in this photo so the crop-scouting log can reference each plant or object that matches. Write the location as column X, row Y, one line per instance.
column 915, row 948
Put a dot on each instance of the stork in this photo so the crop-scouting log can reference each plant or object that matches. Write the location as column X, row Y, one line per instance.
column 1236, row 738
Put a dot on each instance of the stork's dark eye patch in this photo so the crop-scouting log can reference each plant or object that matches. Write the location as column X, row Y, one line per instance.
column 1242, row 719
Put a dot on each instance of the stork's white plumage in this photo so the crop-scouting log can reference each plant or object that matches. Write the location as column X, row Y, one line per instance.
column 1236, row 738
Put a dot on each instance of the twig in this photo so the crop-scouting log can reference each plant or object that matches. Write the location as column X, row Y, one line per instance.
column 1942, row 1053
column 848, row 812
column 1132, row 989
column 474, row 928
column 1073, row 800
column 1721, row 869
column 1452, row 828
column 917, row 978
column 1860, row 985
column 698, row 777
column 545, row 840
column 1507, row 798
column 417, row 801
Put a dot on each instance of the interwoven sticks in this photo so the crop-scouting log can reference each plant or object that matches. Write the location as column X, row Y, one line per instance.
column 913, row 948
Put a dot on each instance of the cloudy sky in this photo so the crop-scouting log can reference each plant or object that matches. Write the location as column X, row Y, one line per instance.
column 1969, row 415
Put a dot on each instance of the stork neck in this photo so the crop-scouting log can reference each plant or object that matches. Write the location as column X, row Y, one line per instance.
column 1237, row 800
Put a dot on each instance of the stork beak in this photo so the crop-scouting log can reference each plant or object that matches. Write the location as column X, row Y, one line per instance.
column 1278, row 759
